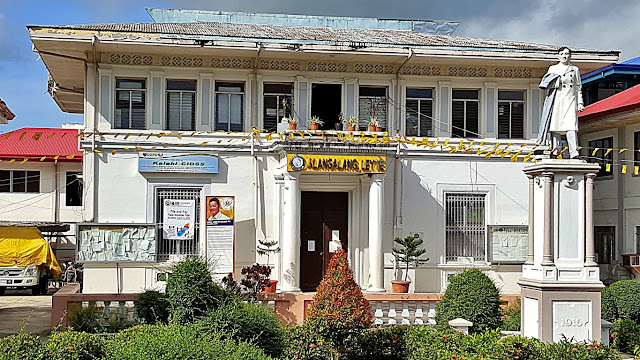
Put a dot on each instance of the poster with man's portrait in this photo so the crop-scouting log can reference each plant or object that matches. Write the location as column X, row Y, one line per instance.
column 220, row 210
column 221, row 232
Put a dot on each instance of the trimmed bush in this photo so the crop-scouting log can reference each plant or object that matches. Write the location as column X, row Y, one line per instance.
column 511, row 317
column 21, row 346
column 249, row 322
column 620, row 301
column 303, row 343
column 71, row 345
column 152, row 306
column 339, row 307
column 191, row 291
column 172, row 342
column 625, row 335
column 382, row 343
column 470, row 295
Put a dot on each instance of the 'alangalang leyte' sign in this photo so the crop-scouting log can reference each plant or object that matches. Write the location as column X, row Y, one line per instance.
column 337, row 163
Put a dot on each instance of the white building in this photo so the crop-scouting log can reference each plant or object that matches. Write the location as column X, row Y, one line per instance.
column 156, row 89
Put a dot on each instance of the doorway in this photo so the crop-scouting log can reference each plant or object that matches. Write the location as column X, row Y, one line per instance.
column 323, row 229
column 326, row 103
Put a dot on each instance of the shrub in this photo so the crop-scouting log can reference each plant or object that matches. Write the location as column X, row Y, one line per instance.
column 21, row 346
column 301, row 342
column 382, row 343
column 566, row 349
column 152, row 306
column 511, row 317
column 172, row 342
column 250, row 322
column 620, row 301
column 191, row 291
column 339, row 307
column 625, row 335
column 92, row 319
column 470, row 295
column 72, row 345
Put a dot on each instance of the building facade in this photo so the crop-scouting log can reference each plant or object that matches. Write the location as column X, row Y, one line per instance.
column 457, row 116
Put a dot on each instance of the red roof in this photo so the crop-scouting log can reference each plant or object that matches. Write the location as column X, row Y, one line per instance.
column 620, row 102
column 34, row 143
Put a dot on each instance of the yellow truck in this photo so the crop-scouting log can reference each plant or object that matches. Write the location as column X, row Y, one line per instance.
column 26, row 260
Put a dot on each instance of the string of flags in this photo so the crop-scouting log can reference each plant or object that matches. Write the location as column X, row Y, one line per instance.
column 513, row 152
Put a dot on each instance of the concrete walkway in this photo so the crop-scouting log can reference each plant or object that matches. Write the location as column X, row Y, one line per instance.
column 20, row 309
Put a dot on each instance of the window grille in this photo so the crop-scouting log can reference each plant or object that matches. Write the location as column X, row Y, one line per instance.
column 177, row 247
column 605, row 240
column 130, row 104
column 465, row 226
column 372, row 102
column 465, row 114
column 511, row 114
column 419, row 106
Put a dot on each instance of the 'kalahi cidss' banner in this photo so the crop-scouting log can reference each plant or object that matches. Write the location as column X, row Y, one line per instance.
column 220, row 232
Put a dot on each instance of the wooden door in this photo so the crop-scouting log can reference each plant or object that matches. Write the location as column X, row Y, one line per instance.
column 324, row 220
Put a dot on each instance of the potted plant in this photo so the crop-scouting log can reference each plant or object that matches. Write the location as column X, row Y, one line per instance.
column 374, row 123
column 315, row 122
column 409, row 253
column 293, row 123
column 268, row 247
column 351, row 122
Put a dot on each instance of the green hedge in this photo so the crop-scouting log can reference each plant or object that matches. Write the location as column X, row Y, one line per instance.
column 152, row 306
column 621, row 301
column 625, row 335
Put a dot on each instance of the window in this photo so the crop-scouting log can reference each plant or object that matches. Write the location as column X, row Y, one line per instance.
column 229, row 106
column 605, row 240
column 130, row 104
column 636, row 153
column 465, row 226
column 181, row 105
column 419, row 106
column 511, row 114
column 637, row 249
column 73, row 189
column 17, row 181
column 464, row 110
column 278, row 102
column 372, row 102
column 168, row 247
column 600, row 157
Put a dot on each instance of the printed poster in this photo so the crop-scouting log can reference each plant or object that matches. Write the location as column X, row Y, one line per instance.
column 178, row 219
column 221, row 232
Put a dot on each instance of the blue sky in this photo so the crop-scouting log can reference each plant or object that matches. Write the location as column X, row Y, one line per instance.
column 580, row 23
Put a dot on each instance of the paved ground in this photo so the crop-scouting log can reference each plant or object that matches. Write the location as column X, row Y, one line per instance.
column 18, row 308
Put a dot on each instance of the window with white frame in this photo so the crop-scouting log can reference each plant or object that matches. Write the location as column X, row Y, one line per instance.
column 168, row 247
column 229, row 106
column 372, row 103
column 19, row 181
column 511, row 107
column 419, row 105
column 465, row 106
column 130, row 104
column 278, row 102
column 465, row 226
column 605, row 243
column 181, row 105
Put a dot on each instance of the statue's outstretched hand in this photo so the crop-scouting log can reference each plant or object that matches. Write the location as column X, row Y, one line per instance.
column 580, row 107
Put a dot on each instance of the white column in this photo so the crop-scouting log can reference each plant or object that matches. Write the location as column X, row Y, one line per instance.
column 589, row 248
column 291, row 234
column 376, row 256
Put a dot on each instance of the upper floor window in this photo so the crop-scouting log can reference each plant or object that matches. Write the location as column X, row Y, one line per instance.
column 130, row 104
column 229, row 106
column 605, row 243
column 636, row 153
column 73, row 189
column 18, row 181
column 465, row 114
column 600, row 157
column 181, row 105
column 372, row 103
column 278, row 102
column 419, row 106
column 510, row 114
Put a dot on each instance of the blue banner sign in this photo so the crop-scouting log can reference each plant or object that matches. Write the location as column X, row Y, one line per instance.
column 168, row 162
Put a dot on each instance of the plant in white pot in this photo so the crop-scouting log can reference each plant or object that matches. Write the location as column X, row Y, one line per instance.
column 409, row 253
column 267, row 247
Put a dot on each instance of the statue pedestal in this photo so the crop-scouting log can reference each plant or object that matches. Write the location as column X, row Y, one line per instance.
column 560, row 281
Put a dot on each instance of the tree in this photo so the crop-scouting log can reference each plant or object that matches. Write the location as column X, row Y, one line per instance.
column 409, row 253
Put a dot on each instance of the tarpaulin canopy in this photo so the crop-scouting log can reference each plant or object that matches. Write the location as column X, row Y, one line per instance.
column 25, row 246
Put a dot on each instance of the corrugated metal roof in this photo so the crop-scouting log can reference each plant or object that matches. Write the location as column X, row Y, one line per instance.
column 620, row 102
column 34, row 143
column 306, row 34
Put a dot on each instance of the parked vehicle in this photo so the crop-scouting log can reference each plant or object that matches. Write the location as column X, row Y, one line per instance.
column 26, row 260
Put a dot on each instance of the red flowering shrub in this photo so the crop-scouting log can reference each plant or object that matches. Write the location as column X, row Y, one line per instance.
column 339, row 307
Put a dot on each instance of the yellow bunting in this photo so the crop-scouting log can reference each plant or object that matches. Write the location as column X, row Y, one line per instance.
column 12, row 160
column 56, row 157
column 138, row 148
column 153, row 148
column 565, row 149
column 480, row 151
column 608, row 168
column 281, row 136
column 244, row 138
column 22, row 135
column 114, row 152
column 488, row 154
column 116, row 135
column 446, row 142
column 97, row 151
column 126, row 148
column 70, row 156
column 593, row 153
column 301, row 133
column 292, row 135
column 495, row 147
column 165, row 146
column 148, row 136
column 505, row 153
column 635, row 170
column 268, row 137
column 127, row 136
column 204, row 143
column 193, row 133
column 607, row 153
column 24, row 161
column 36, row 136
column 624, row 169
column 219, row 141
column 43, row 158
column 255, row 131
column 623, row 150
column 453, row 149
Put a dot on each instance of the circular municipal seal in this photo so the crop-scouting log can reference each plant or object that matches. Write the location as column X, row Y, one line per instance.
column 226, row 203
column 297, row 162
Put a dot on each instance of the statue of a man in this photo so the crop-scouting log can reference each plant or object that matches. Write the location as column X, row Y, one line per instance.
column 561, row 106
